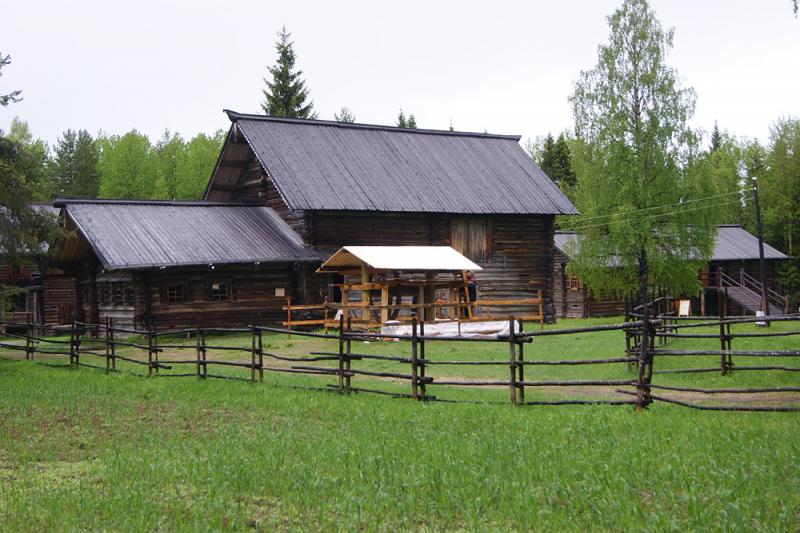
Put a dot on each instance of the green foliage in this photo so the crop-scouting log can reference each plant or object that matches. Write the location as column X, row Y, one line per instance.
column 555, row 160
column 13, row 96
column 779, row 183
column 126, row 167
column 195, row 164
column 636, row 165
column 23, row 229
column 716, row 138
column 286, row 93
column 408, row 122
column 167, row 152
column 74, row 167
column 131, row 167
column 31, row 160
column 344, row 115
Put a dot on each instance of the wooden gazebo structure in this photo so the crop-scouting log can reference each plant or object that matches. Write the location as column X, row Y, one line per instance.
column 390, row 284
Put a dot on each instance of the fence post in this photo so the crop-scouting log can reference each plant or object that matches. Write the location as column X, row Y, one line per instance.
column 341, row 354
column 253, row 351
column 512, row 361
column 108, row 346
column 414, row 384
column 149, row 350
column 113, row 344
column 75, row 345
column 260, row 356
column 29, row 334
column 423, row 389
column 348, row 346
column 723, row 363
column 642, row 388
column 521, row 366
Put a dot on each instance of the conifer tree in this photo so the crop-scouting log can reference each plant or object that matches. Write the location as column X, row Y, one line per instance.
column 344, row 115
column 286, row 93
column 75, row 165
column 408, row 122
column 716, row 138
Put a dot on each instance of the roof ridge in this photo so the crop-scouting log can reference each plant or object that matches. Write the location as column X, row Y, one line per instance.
column 235, row 116
column 62, row 202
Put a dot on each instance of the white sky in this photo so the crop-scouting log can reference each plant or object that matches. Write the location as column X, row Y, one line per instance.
column 507, row 67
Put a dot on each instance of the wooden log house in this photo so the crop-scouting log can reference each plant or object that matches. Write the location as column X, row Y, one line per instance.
column 733, row 271
column 174, row 264
column 354, row 184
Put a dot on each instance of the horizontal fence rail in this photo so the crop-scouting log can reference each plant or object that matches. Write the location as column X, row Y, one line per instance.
column 158, row 352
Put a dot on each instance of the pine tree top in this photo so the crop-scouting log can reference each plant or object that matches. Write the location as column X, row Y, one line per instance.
column 286, row 92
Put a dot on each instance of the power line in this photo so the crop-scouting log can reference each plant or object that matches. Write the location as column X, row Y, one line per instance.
column 694, row 200
column 677, row 212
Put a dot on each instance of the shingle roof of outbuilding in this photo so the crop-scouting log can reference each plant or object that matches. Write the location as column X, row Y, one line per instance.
column 144, row 234
column 733, row 243
column 322, row 165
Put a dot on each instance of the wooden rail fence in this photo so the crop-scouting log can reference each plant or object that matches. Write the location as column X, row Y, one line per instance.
column 157, row 353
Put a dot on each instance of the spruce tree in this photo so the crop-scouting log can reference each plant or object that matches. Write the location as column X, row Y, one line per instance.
column 75, row 165
column 286, row 94
column 408, row 122
column 547, row 157
column 344, row 115
column 716, row 138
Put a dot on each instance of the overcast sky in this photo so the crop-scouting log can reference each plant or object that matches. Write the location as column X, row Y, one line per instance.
column 505, row 67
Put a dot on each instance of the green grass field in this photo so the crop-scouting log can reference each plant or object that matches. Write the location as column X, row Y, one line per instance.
column 82, row 450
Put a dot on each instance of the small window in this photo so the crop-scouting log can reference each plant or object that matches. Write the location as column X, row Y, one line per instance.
column 220, row 291
column 105, row 295
column 574, row 282
column 175, row 294
column 118, row 295
column 130, row 298
column 19, row 302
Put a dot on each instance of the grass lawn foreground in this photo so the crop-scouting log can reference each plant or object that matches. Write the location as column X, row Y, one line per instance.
column 82, row 450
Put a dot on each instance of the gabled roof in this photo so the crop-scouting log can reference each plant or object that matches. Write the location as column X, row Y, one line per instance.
column 322, row 165
column 733, row 243
column 144, row 234
column 405, row 258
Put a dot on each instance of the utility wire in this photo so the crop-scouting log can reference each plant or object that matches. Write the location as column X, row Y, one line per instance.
column 694, row 200
column 653, row 215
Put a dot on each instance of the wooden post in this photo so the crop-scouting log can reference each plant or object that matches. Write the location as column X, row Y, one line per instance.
column 77, row 343
column 149, row 350
column 365, row 313
column 348, row 343
column 414, row 391
column 384, row 302
column 199, row 350
column 541, row 313
column 723, row 363
column 29, row 334
column 113, row 344
column 521, row 367
column 423, row 389
column 512, row 361
column 156, row 351
column 642, row 390
column 108, row 346
column 289, row 315
column 260, row 355
column 341, row 354
column 253, row 352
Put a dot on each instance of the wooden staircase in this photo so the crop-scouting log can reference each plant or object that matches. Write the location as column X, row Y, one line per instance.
column 746, row 291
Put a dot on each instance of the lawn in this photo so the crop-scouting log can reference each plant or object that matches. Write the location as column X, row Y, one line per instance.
column 82, row 450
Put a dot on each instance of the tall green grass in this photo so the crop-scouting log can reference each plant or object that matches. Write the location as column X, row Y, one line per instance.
column 81, row 450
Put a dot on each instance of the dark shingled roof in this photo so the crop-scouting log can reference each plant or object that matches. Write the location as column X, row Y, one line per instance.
column 322, row 165
column 143, row 234
column 733, row 243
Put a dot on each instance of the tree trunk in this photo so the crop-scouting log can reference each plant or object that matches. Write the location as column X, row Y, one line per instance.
column 644, row 343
